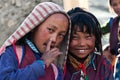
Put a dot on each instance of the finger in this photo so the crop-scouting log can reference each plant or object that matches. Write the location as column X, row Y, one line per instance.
column 54, row 49
column 48, row 45
column 60, row 53
column 55, row 54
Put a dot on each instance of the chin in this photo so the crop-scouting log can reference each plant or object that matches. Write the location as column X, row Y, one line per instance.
column 82, row 56
column 42, row 51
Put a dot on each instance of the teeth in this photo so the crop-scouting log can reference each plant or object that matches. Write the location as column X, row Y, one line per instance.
column 81, row 51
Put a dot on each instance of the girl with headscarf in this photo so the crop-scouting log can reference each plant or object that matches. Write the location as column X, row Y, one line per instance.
column 29, row 53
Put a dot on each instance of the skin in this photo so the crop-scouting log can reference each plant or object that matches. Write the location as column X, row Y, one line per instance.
column 115, row 4
column 49, row 35
column 82, row 44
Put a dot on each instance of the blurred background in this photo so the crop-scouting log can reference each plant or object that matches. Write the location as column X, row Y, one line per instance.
column 13, row 12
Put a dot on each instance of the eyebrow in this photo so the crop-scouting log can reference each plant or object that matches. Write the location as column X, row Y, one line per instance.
column 55, row 27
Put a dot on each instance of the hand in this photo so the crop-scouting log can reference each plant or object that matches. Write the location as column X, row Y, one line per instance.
column 50, row 54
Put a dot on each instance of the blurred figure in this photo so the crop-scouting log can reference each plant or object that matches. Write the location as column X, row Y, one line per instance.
column 112, row 27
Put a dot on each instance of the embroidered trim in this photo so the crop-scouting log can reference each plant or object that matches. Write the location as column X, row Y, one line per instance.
column 31, row 45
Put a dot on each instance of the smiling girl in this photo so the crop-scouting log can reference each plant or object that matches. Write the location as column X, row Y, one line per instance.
column 85, row 60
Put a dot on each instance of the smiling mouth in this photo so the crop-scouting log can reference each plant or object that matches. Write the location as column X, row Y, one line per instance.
column 81, row 51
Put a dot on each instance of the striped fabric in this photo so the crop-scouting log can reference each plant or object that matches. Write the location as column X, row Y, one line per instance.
column 37, row 16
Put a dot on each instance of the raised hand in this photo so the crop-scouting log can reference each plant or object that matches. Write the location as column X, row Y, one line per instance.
column 50, row 54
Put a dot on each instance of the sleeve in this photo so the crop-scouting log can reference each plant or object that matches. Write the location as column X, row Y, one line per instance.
column 105, row 29
column 9, row 68
column 60, row 74
column 107, row 70
column 117, row 69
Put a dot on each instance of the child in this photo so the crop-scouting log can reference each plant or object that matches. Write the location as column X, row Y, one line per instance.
column 112, row 27
column 117, row 63
column 85, row 60
column 28, row 54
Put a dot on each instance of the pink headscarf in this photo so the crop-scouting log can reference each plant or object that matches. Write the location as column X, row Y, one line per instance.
column 39, row 14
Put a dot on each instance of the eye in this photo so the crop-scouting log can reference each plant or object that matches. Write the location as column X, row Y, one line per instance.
column 88, row 36
column 114, row 4
column 75, row 37
column 51, row 30
column 61, row 35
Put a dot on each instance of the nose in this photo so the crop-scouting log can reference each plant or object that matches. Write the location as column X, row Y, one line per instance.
column 54, row 38
column 81, row 42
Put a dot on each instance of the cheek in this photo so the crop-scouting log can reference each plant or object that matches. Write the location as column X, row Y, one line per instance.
column 92, row 43
column 40, row 36
column 58, row 42
column 73, row 43
column 38, row 40
column 43, row 33
column 115, row 8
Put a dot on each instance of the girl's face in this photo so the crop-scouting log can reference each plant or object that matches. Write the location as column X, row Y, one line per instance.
column 54, row 28
column 82, row 44
column 115, row 4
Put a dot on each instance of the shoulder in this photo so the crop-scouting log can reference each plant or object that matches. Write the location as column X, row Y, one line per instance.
column 115, row 18
column 8, row 56
column 102, row 61
column 8, row 51
column 104, row 67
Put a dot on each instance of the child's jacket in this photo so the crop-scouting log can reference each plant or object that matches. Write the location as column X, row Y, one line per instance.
column 98, row 69
column 28, row 69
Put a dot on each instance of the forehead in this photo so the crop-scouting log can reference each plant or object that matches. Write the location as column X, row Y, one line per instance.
column 56, row 21
column 58, row 16
column 83, row 28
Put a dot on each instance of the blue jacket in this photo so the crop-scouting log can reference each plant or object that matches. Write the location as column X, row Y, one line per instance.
column 9, row 68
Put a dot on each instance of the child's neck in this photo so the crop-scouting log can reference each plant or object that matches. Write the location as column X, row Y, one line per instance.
column 81, row 60
column 76, row 61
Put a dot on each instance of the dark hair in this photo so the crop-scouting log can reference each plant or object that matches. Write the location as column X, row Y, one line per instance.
column 110, row 2
column 22, row 40
column 81, row 18
column 75, row 10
